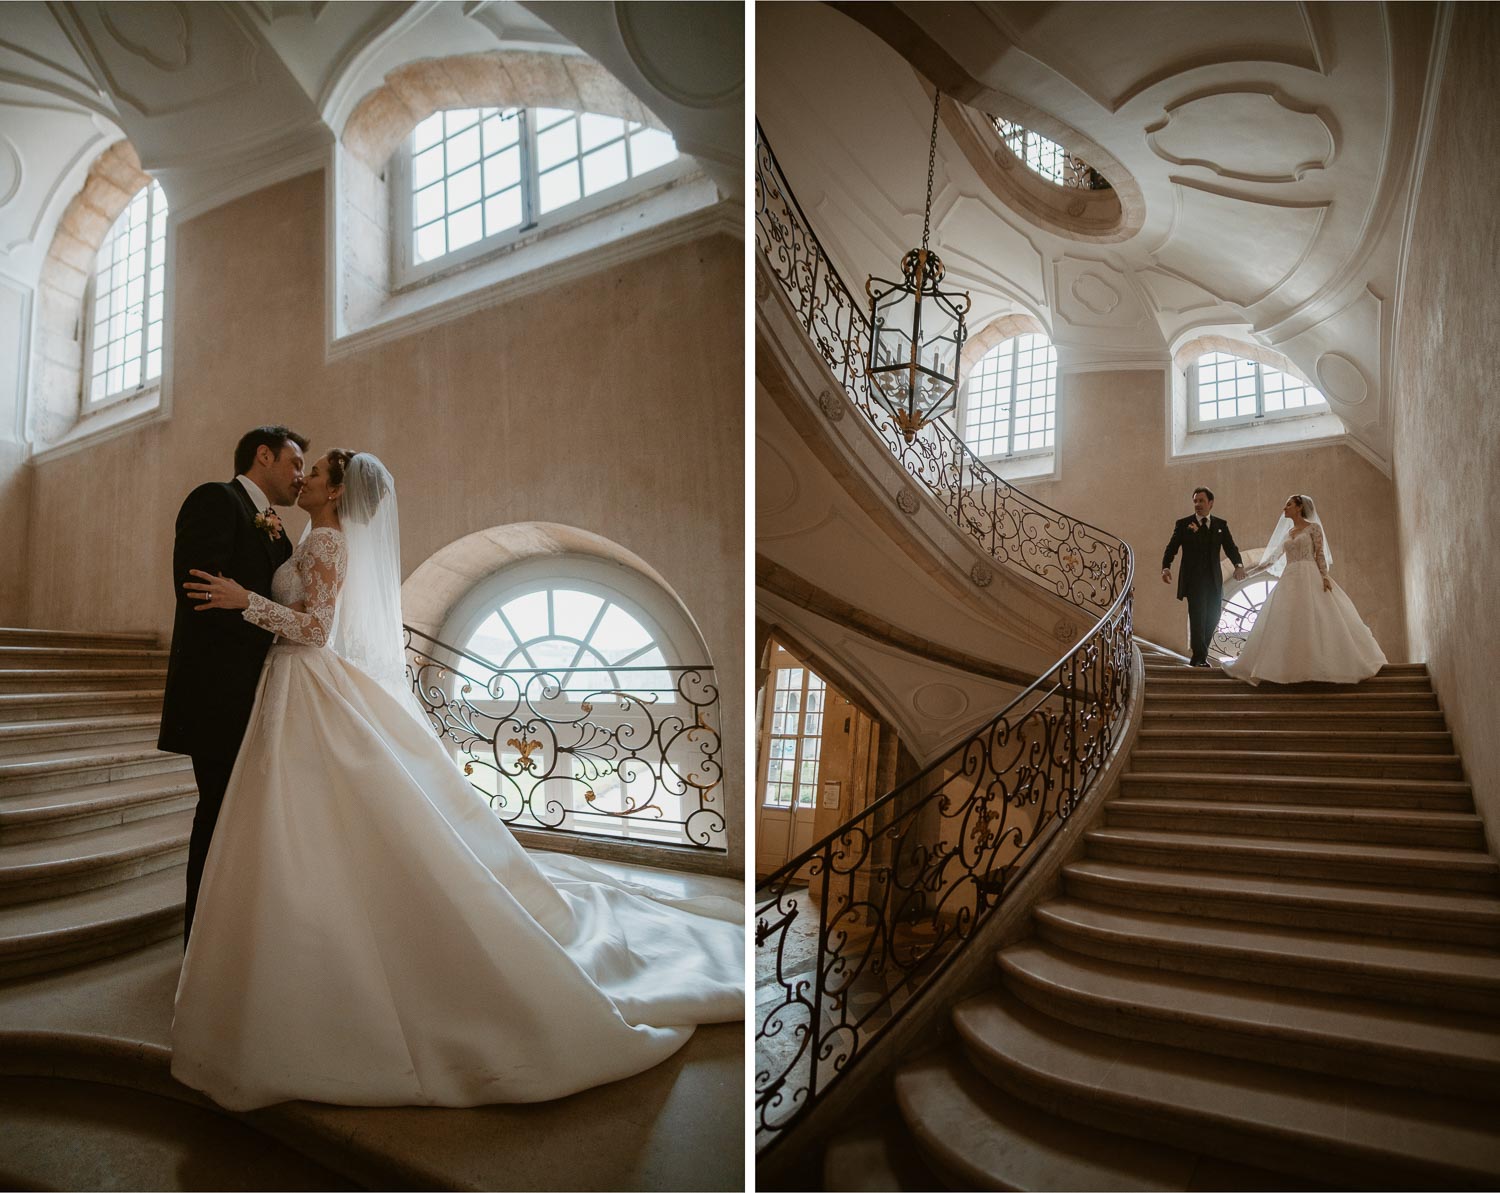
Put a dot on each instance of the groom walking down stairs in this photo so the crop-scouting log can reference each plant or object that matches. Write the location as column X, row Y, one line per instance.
column 1276, row 962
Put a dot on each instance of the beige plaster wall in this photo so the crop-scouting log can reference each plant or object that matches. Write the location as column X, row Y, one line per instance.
column 1447, row 431
column 1115, row 474
column 614, row 403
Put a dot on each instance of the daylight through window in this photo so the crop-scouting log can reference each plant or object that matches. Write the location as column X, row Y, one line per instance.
column 1232, row 389
column 129, row 287
column 796, row 738
column 481, row 173
column 1010, row 405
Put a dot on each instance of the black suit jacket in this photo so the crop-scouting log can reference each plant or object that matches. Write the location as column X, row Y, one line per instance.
column 1200, row 554
column 217, row 655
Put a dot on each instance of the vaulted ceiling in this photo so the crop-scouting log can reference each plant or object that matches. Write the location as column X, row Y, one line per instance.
column 220, row 99
column 1269, row 149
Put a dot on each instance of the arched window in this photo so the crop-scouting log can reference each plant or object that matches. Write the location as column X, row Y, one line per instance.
column 1010, row 402
column 1225, row 390
column 584, row 703
column 1049, row 159
column 1241, row 607
column 795, row 739
column 125, row 301
column 477, row 176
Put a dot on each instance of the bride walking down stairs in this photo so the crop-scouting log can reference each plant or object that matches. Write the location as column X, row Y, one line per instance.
column 94, row 824
column 1276, row 965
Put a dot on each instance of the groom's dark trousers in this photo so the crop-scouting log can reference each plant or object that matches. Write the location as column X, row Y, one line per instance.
column 216, row 657
column 1200, row 581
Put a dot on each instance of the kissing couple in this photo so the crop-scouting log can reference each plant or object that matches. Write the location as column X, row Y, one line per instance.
column 361, row 928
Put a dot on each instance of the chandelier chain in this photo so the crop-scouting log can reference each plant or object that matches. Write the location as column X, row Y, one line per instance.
column 937, row 99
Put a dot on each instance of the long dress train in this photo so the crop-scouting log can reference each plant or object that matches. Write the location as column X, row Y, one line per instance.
column 369, row 933
column 1303, row 633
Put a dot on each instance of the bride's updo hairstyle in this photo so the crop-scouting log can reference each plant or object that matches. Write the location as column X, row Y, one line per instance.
column 365, row 479
column 1301, row 503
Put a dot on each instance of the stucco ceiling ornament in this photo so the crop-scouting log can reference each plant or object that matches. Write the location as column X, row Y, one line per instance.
column 11, row 170
column 1249, row 134
column 155, row 33
column 1095, row 293
column 1342, row 379
column 831, row 405
column 982, row 574
column 940, row 701
column 906, row 500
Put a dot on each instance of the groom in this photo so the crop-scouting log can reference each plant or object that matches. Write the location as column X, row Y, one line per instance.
column 1199, row 580
column 229, row 529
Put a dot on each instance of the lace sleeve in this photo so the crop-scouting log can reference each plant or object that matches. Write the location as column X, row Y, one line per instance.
column 1317, row 545
column 321, row 564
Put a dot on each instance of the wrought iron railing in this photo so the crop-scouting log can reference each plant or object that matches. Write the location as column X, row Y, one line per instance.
column 615, row 752
column 851, row 932
column 1072, row 559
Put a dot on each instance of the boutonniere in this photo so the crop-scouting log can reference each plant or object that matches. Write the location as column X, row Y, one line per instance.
column 269, row 524
column 1193, row 525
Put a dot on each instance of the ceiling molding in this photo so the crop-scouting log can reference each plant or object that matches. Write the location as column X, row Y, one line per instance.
column 1221, row 126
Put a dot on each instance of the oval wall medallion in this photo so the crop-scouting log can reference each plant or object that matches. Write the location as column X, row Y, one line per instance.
column 982, row 574
column 1063, row 631
column 1095, row 293
column 682, row 59
column 906, row 500
column 833, row 407
column 1341, row 378
column 152, row 31
column 940, row 701
column 10, row 170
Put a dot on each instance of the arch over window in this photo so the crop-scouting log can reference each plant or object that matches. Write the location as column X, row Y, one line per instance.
column 126, row 301
column 477, row 176
column 1048, row 159
column 1225, row 389
column 1010, row 398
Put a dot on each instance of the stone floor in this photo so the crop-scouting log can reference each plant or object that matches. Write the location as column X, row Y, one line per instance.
column 86, row 1101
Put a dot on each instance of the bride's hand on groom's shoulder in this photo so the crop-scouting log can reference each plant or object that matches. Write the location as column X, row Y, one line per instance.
column 216, row 592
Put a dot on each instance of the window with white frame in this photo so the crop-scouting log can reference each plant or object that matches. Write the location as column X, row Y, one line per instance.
column 126, row 301
column 796, row 738
column 1224, row 390
column 1010, row 403
column 474, row 178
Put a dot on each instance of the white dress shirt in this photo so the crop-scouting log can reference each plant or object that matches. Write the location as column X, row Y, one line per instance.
column 256, row 496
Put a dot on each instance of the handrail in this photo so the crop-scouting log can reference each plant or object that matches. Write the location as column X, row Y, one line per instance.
column 636, row 753
column 1071, row 558
column 851, row 931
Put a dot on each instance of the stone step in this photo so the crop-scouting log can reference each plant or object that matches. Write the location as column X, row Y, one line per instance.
column 1437, row 795
column 1453, row 1055
column 35, row 737
column 1164, row 670
column 1329, row 740
column 1243, row 697
column 21, row 658
column 1195, row 719
column 18, row 707
column 1345, row 1132
column 91, row 765
column 1421, row 973
column 1215, row 683
column 978, row 1137
column 60, row 813
column 1391, row 826
column 1337, row 861
column 71, row 929
column 876, row 1155
column 47, row 681
column 13, row 636
column 1285, row 762
column 44, row 869
column 1457, row 917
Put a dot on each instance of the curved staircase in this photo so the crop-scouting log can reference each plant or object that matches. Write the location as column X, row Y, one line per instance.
column 1277, row 965
column 94, row 820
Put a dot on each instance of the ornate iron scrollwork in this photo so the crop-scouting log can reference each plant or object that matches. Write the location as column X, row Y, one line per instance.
column 534, row 739
column 852, row 931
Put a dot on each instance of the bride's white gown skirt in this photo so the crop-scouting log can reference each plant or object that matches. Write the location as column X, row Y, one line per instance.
column 369, row 933
column 1304, row 634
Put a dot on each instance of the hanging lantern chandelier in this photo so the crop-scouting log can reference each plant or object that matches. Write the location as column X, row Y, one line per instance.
column 916, row 330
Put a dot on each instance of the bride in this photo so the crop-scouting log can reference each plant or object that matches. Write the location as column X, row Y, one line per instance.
column 368, row 932
column 1308, row 629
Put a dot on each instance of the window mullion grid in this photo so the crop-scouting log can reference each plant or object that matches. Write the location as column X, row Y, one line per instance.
column 1260, row 390
column 531, row 188
column 1010, row 439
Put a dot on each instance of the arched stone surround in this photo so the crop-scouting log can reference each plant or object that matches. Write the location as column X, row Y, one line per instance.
column 55, row 402
column 996, row 332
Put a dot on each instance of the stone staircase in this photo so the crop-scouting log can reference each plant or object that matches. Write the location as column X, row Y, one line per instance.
column 94, row 820
column 1277, row 965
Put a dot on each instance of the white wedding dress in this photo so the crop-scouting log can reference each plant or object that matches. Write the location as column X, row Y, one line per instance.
column 369, row 933
column 1303, row 633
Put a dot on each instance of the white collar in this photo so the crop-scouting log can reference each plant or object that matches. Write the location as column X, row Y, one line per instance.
column 259, row 498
